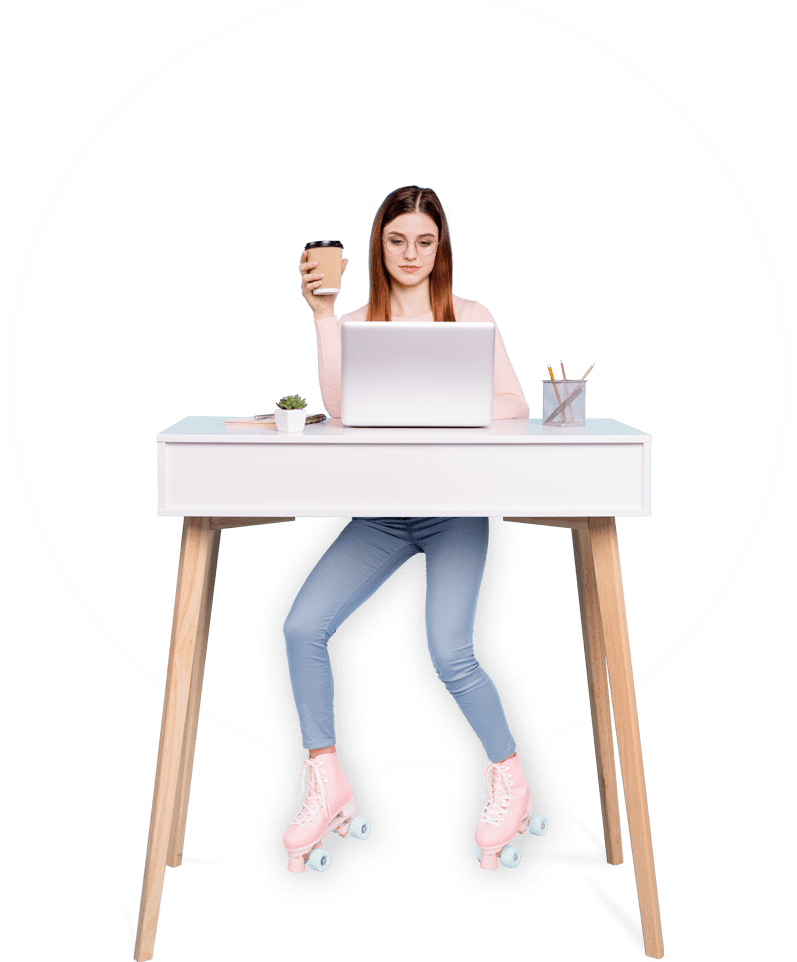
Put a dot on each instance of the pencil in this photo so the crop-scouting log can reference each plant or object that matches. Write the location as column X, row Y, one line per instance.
column 589, row 369
column 564, row 378
column 556, row 389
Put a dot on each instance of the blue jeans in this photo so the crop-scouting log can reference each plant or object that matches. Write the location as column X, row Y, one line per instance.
column 363, row 556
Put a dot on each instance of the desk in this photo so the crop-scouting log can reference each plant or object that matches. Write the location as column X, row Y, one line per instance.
column 218, row 476
column 511, row 467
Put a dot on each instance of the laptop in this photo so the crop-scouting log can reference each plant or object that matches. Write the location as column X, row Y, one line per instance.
column 416, row 374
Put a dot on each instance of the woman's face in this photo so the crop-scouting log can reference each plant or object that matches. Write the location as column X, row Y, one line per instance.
column 410, row 267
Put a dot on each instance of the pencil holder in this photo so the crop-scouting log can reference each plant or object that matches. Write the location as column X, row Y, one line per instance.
column 564, row 403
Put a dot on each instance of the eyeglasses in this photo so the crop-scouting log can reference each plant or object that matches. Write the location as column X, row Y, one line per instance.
column 425, row 246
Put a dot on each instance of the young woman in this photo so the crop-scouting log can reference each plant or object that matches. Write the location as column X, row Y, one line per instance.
column 410, row 273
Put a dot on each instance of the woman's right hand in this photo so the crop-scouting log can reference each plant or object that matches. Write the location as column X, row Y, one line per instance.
column 324, row 305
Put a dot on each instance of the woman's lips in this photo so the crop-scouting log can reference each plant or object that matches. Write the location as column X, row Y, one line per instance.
column 410, row 270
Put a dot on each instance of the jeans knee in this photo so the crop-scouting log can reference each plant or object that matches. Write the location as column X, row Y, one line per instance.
column 299, row 629
column 453, row 664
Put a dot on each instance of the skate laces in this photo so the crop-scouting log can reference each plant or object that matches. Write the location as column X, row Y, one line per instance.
column 316, row 801
column 500, row 796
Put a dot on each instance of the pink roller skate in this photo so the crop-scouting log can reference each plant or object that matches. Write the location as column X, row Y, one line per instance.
column 328, row 807
column 507, row 812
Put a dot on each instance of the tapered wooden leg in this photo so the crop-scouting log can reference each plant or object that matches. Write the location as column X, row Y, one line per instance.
column 177, row 835
column 191, row 605
column 606, row 560
column 597, row 682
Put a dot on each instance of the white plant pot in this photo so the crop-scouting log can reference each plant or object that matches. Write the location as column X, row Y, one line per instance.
column 292, row 419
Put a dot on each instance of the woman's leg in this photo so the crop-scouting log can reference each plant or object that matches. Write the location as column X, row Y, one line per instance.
column 361, row 558
column 456, row 551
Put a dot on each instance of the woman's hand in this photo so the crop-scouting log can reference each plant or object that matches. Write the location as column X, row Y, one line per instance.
column 323, row 306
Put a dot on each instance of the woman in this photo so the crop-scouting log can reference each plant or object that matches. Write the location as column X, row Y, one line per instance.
column 410, row 273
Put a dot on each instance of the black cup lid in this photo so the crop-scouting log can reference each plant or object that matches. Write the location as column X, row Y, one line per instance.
column 323, row 244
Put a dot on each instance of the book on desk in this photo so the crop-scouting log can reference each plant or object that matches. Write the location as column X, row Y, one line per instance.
column 269, row 419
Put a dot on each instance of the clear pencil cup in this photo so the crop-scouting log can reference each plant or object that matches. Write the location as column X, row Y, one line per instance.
column 564, row 403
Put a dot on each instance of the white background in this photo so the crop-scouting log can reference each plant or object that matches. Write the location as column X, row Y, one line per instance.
column 591, row 211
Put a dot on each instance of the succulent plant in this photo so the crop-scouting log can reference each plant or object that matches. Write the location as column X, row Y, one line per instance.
column 291, row 402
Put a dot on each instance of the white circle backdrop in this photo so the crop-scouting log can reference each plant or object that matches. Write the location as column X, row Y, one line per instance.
column 592, row 212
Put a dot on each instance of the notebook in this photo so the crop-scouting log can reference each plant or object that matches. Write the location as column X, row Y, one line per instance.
column 416, row 373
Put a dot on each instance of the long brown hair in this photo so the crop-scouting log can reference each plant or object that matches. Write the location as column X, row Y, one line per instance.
column 402, row 201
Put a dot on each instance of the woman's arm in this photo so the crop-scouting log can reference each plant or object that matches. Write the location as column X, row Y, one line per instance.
column 327, row 331
column 508, row 398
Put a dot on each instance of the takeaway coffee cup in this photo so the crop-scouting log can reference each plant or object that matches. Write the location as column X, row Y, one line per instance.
column 329, row 255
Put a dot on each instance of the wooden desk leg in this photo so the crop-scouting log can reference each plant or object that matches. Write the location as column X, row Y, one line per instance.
column 606, row 560
column 174, row 856
column 198, row 553
column 597, row 682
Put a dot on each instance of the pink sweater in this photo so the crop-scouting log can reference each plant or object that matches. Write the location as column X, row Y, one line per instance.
column 509, row 401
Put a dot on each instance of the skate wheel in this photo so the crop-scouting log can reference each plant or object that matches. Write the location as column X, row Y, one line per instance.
column 538, row 824
column 319, row 859
column 510, row 856
column 478, row 853
column 360, row 827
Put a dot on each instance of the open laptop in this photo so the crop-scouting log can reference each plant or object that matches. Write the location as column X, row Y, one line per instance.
column 416, row 374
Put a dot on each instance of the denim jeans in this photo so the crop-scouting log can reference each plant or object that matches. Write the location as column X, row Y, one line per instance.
column 363, row 556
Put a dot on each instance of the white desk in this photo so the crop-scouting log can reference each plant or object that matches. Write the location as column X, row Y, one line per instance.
column 513, row 467
column 220, row 476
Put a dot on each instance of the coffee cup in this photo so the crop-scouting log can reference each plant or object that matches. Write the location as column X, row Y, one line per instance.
column 329, row 254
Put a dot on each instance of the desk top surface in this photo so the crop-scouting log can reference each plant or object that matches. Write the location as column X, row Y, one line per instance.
column 199, row 429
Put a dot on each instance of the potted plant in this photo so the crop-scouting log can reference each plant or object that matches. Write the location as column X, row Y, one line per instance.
column 289, row 413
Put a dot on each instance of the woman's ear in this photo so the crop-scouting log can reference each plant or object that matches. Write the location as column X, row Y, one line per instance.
column 344, row 262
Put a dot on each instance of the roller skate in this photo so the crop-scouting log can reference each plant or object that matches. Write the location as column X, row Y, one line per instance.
column 507, row 812
column 328, row 807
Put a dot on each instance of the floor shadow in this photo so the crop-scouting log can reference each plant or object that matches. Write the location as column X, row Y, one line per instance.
column 540, row 857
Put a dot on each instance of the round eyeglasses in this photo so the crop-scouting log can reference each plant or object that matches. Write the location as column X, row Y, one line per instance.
column 425, row 246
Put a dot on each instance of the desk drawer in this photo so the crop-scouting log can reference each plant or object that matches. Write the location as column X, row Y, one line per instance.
column 347, row 480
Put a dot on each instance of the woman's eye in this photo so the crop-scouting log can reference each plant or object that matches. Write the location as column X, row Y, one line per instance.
column 395, row 242
column 426, row 243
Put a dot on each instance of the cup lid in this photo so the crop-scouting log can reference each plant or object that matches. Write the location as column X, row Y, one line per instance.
column 323, row 244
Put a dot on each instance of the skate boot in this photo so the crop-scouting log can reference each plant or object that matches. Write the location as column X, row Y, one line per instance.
column 507, row 813
column 327, row 807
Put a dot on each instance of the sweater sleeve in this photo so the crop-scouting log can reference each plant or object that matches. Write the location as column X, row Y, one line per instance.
column 328, row 334
column 508, row 398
